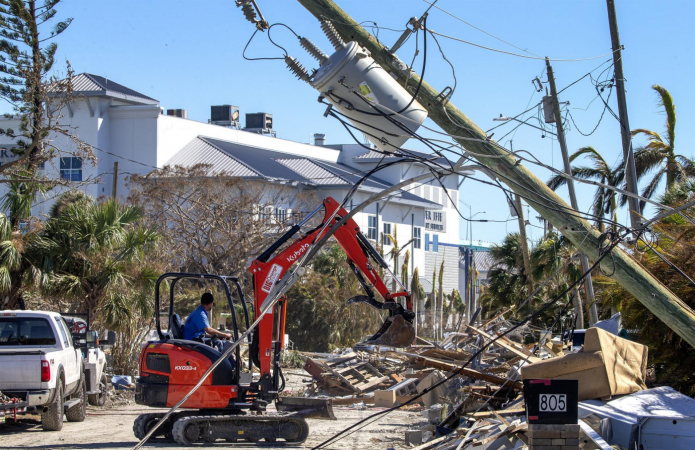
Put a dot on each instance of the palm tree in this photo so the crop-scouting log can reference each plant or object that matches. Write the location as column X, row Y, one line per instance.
column 404, row 268
column 508, row 279
column 548, row 256
column 417, row 292
column 440, row 300
column 15, row 236
column 605, row 199
column 660, row 154
column 395, row 252
column 94, row 253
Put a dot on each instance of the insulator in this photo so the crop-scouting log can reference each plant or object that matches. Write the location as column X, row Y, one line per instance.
column 332, row 35
column 296, row 68
column 313, row 50
column 247, row 9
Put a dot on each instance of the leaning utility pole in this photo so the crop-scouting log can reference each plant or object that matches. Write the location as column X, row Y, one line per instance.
column 628, row 155
column 588, row 283
column 625, row 270
column 524, row 243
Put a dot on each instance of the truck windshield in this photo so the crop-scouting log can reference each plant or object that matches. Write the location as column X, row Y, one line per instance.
column 25, row 331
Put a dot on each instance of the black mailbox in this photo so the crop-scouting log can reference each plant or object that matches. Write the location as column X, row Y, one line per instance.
column 551, row 401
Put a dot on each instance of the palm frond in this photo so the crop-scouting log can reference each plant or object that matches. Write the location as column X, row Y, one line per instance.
column 651, row 135
column 666, row 101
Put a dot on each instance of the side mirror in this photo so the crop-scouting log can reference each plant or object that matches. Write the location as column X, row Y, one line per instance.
column 110, row 338
column 92, row 339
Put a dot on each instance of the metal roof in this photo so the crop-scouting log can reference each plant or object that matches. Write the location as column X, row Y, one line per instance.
column 311, row 171
column 375, row 155
column 199, row 151
column 89, row 84
column 245, row 161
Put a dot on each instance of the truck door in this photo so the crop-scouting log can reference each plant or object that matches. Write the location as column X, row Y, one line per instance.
column 68, row 358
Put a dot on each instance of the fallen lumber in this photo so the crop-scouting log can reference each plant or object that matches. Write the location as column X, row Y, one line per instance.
column 504, row 343
column 442, row 365
column 504, row 412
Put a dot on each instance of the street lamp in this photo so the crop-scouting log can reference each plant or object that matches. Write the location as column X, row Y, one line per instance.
column 470, row 221
column 502, row 118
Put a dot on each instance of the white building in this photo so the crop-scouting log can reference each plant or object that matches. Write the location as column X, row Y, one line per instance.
column 125, row 126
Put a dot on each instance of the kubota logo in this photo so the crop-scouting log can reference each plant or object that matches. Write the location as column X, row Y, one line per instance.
column 185, row 368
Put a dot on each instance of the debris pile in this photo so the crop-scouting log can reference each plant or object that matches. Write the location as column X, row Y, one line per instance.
column 471, row 399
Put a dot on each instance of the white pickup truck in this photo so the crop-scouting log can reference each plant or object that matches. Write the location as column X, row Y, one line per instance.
column 40, row 368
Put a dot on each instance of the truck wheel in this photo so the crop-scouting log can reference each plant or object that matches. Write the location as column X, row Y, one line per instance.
column 78, row 412
column 52, row 418
column 100, row 398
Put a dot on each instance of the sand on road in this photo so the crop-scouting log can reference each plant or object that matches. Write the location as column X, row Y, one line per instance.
column 111, row 428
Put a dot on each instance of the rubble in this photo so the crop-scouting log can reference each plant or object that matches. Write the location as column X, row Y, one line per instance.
column 479, row 406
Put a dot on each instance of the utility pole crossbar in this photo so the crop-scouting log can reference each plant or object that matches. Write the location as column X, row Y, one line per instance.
column 629, row 273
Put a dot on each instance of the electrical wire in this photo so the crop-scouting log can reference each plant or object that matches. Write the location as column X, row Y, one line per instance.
column 479, row 29
column 243, row 54
column 518, row 55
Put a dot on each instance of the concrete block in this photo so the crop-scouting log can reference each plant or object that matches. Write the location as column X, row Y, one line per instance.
column 384, row 399
column 570, row 434
column 544, row 447
column 571, row 441
column 552, row 427
column 534, row 433
column 413, row 437
column 568, row 447
column 536, row 441
column 558, row 442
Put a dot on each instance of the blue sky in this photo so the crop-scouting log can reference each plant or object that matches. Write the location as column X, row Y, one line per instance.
column 187, row 54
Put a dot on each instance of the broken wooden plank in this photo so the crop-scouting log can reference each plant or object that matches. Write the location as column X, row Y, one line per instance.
column 506, row 344
column 504, row 412
column 442, row 365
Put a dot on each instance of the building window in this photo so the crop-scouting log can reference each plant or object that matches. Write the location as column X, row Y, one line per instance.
column 387, row 231
column 435, row 243
column 371, row 227
column 281, row 215
column 417, row 232
column 71, row 168
column 427, row 242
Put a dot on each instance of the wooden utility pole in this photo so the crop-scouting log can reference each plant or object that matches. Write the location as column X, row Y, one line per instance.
column 524, row 243
column 626, row 271
column 114, row 189
column 628, row 155
column 588, row 283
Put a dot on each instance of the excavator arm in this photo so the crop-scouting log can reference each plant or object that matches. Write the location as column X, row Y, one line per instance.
column 270, row 267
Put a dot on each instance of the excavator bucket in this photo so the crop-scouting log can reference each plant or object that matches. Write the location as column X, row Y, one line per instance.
column 313, row 408
column 395, row 332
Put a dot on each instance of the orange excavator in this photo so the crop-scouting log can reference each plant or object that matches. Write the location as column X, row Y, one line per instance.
column 170, row 367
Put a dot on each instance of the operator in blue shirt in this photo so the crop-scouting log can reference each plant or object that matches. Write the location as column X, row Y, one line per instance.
column 197, row 324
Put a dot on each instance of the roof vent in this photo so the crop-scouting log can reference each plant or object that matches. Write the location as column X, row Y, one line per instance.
column 261, row 123
column 225, row 116
column 319, row 139
column 182, row 113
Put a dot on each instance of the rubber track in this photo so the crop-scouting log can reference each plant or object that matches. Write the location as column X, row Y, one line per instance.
column 140, row 431
column 181, row 424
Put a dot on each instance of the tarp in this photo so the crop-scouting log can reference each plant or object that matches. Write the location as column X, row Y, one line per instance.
column 607, row 365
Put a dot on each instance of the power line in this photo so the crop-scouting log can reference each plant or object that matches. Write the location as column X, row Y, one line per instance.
column 479, row 29
column 516, row 54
